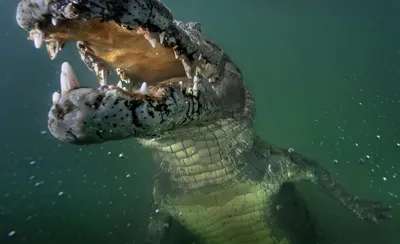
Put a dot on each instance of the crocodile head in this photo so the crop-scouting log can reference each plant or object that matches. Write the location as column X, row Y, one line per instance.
column 172, row 75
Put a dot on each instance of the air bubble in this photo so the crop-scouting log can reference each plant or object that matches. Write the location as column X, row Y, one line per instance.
column 37, row 184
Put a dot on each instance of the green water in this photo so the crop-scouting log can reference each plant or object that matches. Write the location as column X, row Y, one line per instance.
column 325, row 76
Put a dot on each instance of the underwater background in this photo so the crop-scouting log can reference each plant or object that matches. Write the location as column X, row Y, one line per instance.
column 325, row 77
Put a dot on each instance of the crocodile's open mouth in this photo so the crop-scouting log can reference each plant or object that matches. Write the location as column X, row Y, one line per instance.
column 165, row 66
column 136, row 55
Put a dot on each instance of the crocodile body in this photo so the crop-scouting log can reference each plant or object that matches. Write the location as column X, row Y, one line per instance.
column 215, row 175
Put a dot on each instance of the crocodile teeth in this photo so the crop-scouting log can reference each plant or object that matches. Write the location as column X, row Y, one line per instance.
column 56, row 96
column 195, row 88
column 150, row 36
column 143, row 89
column 162, row 36
column 37, row 36
column 53, row 47
column 176, row 52
column 187, row 68
column 68, row 78
column 152, row 41
column 102, row 75
column 181, row 84
column 54, row 21
column 96, row 68
column 38, row 39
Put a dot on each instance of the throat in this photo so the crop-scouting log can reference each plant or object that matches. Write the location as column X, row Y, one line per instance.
column 196, row 158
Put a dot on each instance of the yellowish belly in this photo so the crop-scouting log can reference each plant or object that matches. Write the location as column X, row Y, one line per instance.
column 234, row 215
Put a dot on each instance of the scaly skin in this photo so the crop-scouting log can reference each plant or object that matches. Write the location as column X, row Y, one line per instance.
column 216, row 177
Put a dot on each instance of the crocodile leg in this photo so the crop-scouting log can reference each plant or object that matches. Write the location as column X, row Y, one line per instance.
column 288, row 205
column 287, row 166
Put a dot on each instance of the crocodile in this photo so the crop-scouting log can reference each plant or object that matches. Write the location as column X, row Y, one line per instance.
column 183, row 97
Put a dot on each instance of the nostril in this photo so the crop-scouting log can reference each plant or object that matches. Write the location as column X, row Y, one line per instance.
column 58, row 112
column 71, row 136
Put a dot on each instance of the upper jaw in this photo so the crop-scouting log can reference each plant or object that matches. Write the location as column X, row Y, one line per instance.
column 139, row 42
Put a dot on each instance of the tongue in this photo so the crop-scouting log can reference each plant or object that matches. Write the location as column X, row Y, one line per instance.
column 68, row 78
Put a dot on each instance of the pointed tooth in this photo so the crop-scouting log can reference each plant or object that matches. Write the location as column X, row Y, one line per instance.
column 181, row 84
column 143, row 89
column 103, row 77
column 54, row 21
column 196, row 81
column 56, row 96
column 120, row 84
column 53, row 47
column 176, row 52
column 68, row 78
column 38, row 39
column 187, row 68
column 195, row 89
column 162, row 36
column 102, row 74
column 96, row 68
column 152, row 42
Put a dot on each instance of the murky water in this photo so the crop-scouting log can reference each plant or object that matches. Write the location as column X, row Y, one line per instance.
column 325, row 76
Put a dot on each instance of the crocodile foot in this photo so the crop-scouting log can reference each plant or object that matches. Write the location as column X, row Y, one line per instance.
column 164, row 66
